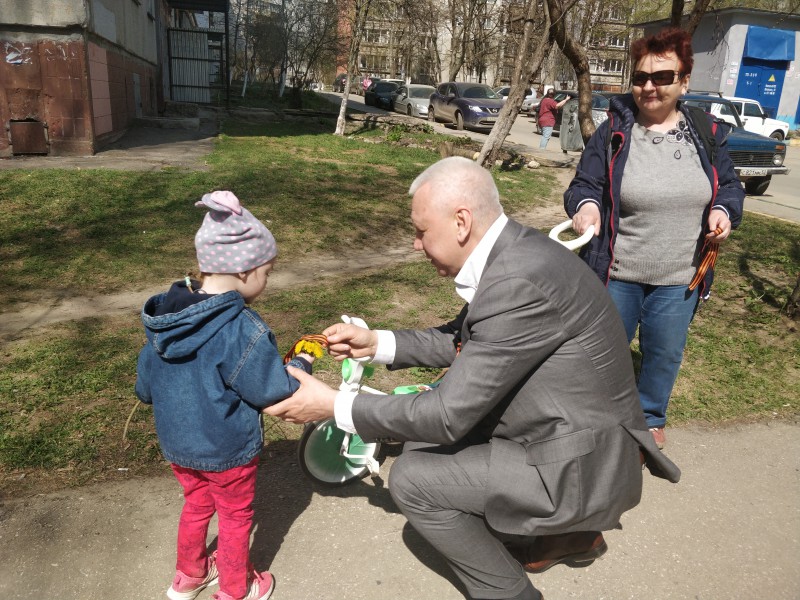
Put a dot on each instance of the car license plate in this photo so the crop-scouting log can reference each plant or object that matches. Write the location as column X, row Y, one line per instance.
column 753, row 172
column 490, row 120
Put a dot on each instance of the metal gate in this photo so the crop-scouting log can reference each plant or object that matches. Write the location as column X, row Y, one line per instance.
column 196, row 65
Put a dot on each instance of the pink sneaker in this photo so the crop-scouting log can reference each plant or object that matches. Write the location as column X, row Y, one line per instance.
column 187, row 588
column 261, row 587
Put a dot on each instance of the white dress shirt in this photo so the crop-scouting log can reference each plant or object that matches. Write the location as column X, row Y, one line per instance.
column 466, row 281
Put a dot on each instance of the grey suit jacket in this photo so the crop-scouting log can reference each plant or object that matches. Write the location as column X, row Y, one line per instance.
column 544, row 374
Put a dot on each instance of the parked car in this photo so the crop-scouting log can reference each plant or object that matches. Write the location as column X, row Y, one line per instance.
column 567, row 124
column 357, row 84
column 412, row 99
column 339, row 82
column 754, row 118
column 756, row 158
column 379, row 93
column 529, row 101
column 530, row 97
column 467, row 105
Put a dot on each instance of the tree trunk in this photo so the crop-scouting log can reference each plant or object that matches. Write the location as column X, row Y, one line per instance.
column 698, row 10
column 361, row 13
column 524, row 70
column 576, row 54
column 676, row 16
column 793, row 304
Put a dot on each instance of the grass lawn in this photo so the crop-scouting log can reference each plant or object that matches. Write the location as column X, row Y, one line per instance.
column 66, row 391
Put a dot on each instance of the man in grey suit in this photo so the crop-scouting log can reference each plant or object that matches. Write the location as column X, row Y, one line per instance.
column 536, row 428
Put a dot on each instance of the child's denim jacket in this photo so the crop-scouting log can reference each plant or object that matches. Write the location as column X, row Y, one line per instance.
column 208, row 370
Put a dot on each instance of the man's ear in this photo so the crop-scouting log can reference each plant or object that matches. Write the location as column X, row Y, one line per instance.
column 463, row 221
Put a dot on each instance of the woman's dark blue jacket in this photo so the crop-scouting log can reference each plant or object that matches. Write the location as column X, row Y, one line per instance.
column 599, row 178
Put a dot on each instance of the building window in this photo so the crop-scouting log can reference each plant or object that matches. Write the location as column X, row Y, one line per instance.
column 617, row 41
column 606, row 65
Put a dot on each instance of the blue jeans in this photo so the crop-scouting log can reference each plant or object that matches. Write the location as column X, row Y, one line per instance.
column 546, row 133
column 663, row 314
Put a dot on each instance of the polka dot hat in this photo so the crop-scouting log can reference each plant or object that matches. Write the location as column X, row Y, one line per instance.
column 231, row 239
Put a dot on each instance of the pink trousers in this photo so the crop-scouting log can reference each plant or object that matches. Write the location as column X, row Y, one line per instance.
column 230, row 494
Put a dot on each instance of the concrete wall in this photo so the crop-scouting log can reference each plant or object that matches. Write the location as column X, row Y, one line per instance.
column 127, row 23
column 122, row 87
column 718, row 45
column 42, row 13
column 46, row 81
column 83, row 74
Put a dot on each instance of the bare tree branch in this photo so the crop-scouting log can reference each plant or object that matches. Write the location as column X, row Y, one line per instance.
column 524, row 70
column 576, row 54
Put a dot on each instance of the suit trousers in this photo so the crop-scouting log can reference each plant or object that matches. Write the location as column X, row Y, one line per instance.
column 441, row 490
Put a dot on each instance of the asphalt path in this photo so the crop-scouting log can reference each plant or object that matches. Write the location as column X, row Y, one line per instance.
column 729, row 529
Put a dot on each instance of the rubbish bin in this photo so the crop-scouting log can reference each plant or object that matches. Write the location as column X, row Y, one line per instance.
column 570, row 133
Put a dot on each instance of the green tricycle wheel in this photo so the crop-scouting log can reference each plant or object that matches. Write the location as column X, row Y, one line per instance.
column 321, row 461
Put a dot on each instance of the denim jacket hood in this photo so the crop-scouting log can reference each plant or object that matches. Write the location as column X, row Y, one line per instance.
column 178, row 335
column 208, row 370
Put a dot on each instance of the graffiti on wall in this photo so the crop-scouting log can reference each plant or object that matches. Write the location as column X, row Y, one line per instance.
column 18, row 54
column 60, row 51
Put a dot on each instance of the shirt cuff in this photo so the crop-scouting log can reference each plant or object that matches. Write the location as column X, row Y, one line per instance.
column 343, row 411
column 387, row 346
column 584, row 201
column 723, row 209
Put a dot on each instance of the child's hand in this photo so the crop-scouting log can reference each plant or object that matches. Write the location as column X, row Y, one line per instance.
column 309, row 357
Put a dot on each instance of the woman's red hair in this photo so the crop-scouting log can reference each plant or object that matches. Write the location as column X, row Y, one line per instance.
column 675, row 40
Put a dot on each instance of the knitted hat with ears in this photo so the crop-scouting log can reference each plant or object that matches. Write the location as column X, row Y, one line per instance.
column 231, row 239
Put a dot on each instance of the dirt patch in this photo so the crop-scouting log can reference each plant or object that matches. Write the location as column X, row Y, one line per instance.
column 55, row 308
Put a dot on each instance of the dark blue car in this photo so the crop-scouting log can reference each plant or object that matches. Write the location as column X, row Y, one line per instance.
column 756, row 158
column 466, row 105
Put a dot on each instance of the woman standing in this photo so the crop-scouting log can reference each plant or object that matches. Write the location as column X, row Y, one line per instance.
column 548, row 111
column 659, row 207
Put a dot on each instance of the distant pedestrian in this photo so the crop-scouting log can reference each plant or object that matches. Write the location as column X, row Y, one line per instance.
column 548, row 110
column 209, row 367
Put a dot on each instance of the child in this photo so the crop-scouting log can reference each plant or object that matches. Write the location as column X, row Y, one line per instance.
column 210, row 365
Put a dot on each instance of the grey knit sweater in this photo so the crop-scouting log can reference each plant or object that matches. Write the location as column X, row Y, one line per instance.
column 663, row 195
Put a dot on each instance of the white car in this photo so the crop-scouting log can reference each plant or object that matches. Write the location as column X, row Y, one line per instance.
column 754, row 118
column 527, row 102
column 412, row 99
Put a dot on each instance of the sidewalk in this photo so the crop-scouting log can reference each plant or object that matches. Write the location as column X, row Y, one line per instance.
column 729, row 529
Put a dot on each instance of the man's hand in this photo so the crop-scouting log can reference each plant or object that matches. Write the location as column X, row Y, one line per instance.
column 589, row 214
column 350, row 341
column 313, row 401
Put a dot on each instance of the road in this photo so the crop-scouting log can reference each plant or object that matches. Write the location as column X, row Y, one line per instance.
column 780, row 200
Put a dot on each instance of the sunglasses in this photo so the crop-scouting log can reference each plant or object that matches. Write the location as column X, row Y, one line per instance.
column 640, row 78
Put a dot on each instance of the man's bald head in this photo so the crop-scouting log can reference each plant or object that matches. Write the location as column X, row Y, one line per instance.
column 458, row 181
